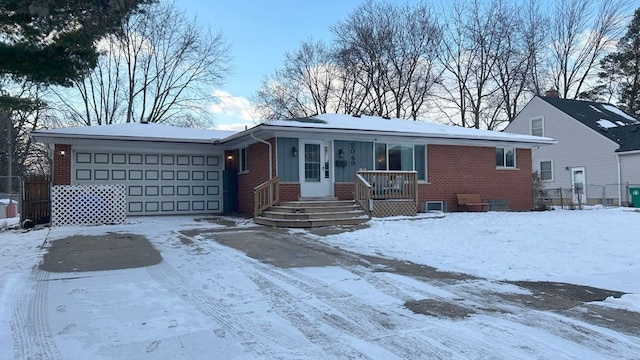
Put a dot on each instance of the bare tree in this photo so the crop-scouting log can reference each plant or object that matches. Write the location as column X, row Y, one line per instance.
column 161, row 67
column 473, row 44
column 25, row 113
column 582, row 32
column 382, row 63
column 389, row 50
column 524, row 34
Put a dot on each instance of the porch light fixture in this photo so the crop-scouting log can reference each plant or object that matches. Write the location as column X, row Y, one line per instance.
column 62, row 153
column 341, row 153
column 229, row 157
column 294, row 151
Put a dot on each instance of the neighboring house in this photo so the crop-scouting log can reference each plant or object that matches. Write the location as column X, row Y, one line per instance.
column 597, row 156
column 173, row 170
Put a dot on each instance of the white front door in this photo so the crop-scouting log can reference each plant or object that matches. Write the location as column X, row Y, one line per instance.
column 314, row 168
column 578, row 188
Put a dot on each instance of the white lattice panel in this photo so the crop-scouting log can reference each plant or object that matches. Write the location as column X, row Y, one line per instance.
column 88, row 204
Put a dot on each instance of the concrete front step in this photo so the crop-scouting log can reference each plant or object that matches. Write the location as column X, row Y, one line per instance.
column 290, row 223
column 315, row 209
column 317, row 203
column 313, row 215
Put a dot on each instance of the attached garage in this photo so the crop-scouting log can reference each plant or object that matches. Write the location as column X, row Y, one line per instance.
column 156, row 182
column 166, row 170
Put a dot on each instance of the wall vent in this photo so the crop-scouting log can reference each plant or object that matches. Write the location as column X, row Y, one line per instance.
column 434, row 206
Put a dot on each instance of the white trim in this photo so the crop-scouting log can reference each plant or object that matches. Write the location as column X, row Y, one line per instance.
column 619, row 180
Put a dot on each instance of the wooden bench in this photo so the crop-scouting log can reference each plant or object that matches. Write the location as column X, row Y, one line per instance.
column 473, row 200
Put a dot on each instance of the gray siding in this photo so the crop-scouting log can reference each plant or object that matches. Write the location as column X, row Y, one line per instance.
column 630, row 168
column 357, row 155
column 577, row 146
column 288, row 165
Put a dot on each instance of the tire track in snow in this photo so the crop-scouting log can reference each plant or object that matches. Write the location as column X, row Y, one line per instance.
column 441, row 342
column 32, row 338
column 398, row 334
column 282, row 303
column 556, row 324
column 250, row 334
column 401, row 335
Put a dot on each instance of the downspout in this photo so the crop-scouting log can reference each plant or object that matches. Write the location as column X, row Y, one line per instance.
column 270, row 154
column 619, row 180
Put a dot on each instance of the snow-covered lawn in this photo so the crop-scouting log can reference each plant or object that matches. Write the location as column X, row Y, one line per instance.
column 597, row 247
column 207, row 300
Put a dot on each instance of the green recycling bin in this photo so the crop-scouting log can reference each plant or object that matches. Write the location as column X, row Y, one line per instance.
column 635, row 196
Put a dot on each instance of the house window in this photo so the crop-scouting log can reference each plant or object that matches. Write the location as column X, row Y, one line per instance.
column 537, row 126
column 506, row 157
column 244, row 159
column 546, row 170
column 401, row 157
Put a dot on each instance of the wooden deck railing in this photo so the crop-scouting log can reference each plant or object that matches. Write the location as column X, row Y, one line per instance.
column 266, row 195
column 388, row 185
column 362, row 192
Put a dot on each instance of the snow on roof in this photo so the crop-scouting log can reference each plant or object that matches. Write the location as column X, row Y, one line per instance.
column 606, row 124
column 147, row 131
column 400, row 126
column 595, row 109
column 617, row 111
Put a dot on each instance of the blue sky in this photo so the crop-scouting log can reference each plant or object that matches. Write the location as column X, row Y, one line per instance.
column 260, row 33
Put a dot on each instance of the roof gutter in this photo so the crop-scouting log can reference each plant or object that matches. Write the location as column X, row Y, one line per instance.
column 270, row 154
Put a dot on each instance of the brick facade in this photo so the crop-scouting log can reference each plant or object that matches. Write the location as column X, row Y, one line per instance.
column 62, row 165
column 258, row 159
column 343, row 191
column 289, row 191
column 451, row 170
column 468, row 169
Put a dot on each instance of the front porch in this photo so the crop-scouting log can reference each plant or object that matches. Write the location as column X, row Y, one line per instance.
column 386, row 193
column 375, row 194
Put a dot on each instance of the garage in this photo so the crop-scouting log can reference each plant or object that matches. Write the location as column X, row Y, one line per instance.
column 166, row 170
column 157, row 183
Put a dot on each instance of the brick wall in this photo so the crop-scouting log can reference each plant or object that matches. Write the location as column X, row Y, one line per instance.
column 62, row 165
column 258, row 158
column 451, row 170
column 343, row 191
column 289, row 191
column 468, row 169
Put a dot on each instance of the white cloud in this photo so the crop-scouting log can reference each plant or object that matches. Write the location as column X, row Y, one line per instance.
column 231, row 105
column 234, row 112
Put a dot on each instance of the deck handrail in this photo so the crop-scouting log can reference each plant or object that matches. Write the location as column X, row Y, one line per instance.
column 266, row 195
column 362, row 192
column 388, row 185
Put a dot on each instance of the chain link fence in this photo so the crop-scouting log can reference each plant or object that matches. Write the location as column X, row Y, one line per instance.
column 590, row 194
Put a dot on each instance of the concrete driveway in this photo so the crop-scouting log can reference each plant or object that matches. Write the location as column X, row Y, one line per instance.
column 255, row 292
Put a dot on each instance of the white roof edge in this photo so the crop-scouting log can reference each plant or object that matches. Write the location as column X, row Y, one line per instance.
column 329, row 124
column 516, row 138
column 41, row 136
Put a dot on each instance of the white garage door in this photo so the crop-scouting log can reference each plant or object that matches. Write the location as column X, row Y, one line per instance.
column 156, row 183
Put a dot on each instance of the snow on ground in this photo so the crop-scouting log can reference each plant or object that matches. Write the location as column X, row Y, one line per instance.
column 208, row 300
column 599, row 247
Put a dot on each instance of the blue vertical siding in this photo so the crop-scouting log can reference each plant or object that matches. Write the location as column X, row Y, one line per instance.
column 357, row 155
column 288, row 165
